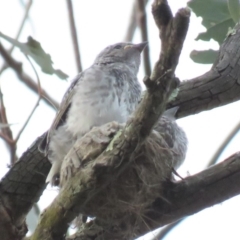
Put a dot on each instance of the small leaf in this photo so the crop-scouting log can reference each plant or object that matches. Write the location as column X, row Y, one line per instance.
column 34, row 49
column 234, row 9
column 204, row 57
column 218, row 32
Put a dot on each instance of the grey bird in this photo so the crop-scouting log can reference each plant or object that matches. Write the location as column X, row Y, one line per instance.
column 107, row 91
column 166, row 146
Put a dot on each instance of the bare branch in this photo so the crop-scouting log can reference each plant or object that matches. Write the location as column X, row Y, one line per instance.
column 74, row 35
column 20, row 188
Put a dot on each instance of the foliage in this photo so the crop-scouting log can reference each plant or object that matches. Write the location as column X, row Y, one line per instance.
column 218, row 17
column 34, row 49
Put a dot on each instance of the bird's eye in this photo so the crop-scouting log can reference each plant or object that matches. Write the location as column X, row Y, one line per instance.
column 118, row 47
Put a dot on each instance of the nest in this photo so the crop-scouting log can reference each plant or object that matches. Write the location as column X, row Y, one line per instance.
column 126, row 198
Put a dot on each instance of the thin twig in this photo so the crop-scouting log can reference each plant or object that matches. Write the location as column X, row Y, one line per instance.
column 132, row 24
column 142, row 22
column 26, row 79
column 25, row 17
column 74, row 35
column 35, row 106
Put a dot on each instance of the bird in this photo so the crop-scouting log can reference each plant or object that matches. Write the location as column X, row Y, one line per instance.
column 107, row 91
column 165, row 148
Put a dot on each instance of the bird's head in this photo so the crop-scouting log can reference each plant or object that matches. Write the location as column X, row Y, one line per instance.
column 128, row 53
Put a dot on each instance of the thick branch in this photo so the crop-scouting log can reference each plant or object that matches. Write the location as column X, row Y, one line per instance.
column 218, row 87
column 191, row 195
column 22, row 186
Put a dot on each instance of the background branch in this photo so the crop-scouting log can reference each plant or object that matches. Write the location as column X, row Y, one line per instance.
column 132, row 22
column 142, row 22
column 218, row 87
column 74, row 35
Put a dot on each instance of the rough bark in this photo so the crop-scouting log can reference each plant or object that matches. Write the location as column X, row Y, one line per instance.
column 191, row 195
column 20, row 189
column 218, row 87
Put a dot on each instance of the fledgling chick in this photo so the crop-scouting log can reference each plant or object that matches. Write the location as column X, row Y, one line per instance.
column 107, row 91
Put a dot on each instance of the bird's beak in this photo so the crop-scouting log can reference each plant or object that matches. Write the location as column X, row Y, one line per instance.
column 140, row 46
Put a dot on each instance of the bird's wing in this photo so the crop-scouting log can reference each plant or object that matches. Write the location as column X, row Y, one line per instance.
column 61, row 114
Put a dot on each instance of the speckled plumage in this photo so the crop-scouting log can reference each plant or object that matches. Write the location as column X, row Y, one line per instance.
column 107, row 91
column 165, row 149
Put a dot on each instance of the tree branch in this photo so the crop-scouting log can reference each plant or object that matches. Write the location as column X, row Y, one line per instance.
column 191, row 195
column 142, row 19
column 218, row 87
column 21, row 187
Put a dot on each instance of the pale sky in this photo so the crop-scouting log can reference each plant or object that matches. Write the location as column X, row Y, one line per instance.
column 100, row 23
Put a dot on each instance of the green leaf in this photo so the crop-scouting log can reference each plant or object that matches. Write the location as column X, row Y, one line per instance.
column 204, row 57
column 218, row 32
column 33, row 49
column 234, row 9
column 216, row 18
